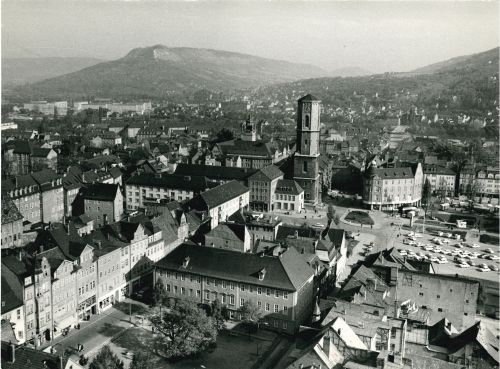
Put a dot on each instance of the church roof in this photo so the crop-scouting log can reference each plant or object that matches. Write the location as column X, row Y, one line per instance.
column 308, row 97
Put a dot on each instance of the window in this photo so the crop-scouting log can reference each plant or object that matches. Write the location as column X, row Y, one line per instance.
column 466, row 314
column 175, row 289
column 276, row 293
column 420, row 293
column 259, row 304
column 466, row 301
column 307, row 121
column 276, row 308
column 304, row 167
column 268, row 292
column 168, row 288
column 224, row 284
column 198, row 293
column 223, row 298
column 267, row 306
column 393, row 332
column 231, row 285
column 438, row 296
column 231, row 299
column 285, row 310
column 242, row 302
column 259, row 290
column 242, row 287
column 183, row 291
column 440, row 310
column 285, row 295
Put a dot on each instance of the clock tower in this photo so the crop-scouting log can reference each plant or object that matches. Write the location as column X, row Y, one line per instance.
column 306, row 163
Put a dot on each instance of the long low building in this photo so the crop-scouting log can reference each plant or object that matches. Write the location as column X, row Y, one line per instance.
column 280, row 286
column 149, row 186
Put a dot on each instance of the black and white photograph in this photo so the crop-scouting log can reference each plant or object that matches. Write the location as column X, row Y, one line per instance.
column 250, row 184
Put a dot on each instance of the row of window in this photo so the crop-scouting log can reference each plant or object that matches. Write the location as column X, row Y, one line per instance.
column 225, row 284
column 82, row 290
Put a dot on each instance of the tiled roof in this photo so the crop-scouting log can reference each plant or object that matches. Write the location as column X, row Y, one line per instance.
column 248, row 148
column 286, row 272
column 215, row 172
column 10, row 300
column 228, row 231
column 267, row 173
column 304, row 231
column 392, row 173
column 10, row 212
column 45, row 176
column 437, row 169
column 289, row 187
column 26, row 357
column 101, row 191
column 175, row 181
column 40, row 152
column 217, row 196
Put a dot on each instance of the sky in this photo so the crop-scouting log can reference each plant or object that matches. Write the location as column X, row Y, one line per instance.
column 376, row 36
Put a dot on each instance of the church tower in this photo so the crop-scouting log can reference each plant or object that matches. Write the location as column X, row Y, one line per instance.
column 306, row 162
column 249, row 130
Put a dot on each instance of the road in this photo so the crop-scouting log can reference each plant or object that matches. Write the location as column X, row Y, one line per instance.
column 93, row 334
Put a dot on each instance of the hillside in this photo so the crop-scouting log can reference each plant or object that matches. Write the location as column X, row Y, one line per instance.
column 472, row 62
column 158, row 71
column 468, row 84
column 18, row 71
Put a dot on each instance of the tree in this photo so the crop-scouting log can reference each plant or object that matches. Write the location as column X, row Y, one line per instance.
column 159, row 294
column 106, row 359
column 330, row 212
column 426, row 194
column 251, row 313
column 141, row 360
column 224, row 135
column 219, row 313
column 185, row 330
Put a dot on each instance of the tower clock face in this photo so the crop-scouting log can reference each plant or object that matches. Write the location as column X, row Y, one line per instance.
column 307, row 108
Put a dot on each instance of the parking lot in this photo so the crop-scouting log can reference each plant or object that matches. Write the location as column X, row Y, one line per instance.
column 450, row 255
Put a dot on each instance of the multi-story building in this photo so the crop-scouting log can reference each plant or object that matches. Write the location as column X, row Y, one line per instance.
column 59, row 108
column 390, row 188
column 103, row 202
column 262, row 186
column 20, row 277
column 220, row 202
column 288, row 196
column 52, row 195
column 488, row 182
column 86, row 282
column 12, row 223
column 280, row 286
column 109, row 274
column 306, row 159
column 26, row 194
column 260, row 226
column 64, row 295
column 149, row 186
column 249, row 154
column 441, row 179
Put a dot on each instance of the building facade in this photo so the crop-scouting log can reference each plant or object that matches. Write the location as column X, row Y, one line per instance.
column 280, row 286
column 390, row 188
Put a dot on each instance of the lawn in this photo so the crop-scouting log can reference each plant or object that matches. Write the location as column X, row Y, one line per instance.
column 231, row 351
column 361, row 217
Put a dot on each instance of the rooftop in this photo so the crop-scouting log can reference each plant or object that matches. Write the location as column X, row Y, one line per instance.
column 286, row 272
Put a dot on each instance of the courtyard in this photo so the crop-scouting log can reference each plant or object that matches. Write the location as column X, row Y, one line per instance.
column 231, row 348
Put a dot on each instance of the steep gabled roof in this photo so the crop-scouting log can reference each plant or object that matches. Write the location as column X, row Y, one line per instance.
column 101, row 191
column 217, row 196
column 267, row 173
column 215, row 172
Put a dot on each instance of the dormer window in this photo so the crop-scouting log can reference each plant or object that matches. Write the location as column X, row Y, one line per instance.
column 185, row 262
column 262, row 274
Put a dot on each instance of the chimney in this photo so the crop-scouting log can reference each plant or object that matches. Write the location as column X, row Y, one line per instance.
column 61, row 362
column 12, row 352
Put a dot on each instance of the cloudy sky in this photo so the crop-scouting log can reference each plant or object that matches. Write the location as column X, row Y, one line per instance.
column 377, row 36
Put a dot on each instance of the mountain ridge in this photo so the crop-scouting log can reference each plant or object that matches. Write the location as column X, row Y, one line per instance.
column 157, row 71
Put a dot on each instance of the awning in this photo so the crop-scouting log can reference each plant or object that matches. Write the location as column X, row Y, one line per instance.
column 65, row 323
